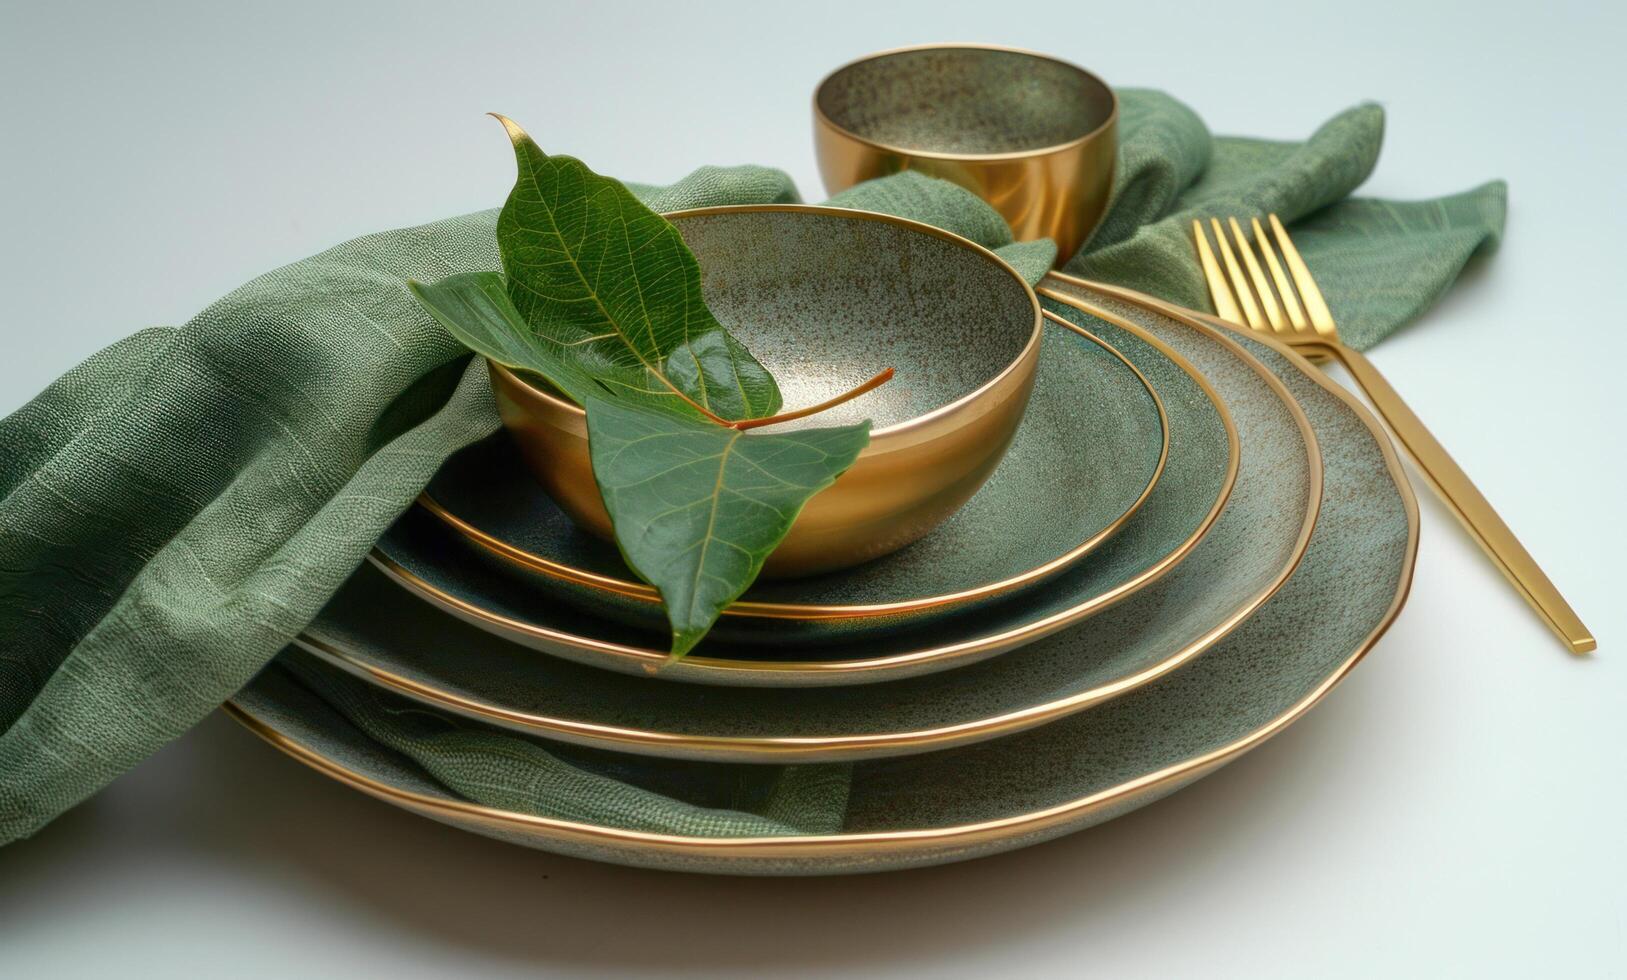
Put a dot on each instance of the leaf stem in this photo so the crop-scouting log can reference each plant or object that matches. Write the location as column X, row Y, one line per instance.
column 881, row 378
column 709, row 415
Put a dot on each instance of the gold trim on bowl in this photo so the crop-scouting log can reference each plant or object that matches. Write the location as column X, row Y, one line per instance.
column 746, row 854
column 911, row 477
column 631, row 659
column 752, row 609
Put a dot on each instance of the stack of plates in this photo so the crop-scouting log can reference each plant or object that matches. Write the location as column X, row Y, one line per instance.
column 1128, row 604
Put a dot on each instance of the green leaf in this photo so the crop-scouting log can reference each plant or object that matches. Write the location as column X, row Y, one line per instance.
column 697, row 507
column 474, row 308
column 602, row 298
column 592, row 269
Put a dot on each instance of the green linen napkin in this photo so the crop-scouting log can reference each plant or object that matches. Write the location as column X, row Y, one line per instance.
column 1379, row 263
column 177, row 507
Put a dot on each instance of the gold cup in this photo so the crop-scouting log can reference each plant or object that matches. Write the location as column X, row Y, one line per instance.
column 823, row 296
column 1034, row 136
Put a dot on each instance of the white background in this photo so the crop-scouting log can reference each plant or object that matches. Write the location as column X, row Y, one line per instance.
column 1454, row 809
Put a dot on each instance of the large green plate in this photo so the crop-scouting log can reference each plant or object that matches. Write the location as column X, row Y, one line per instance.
column 384, row 634
column 1017, row 791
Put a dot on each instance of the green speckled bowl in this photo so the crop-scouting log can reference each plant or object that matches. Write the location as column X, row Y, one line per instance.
column 970, row 802
column 825, row 297
column 1087, row 455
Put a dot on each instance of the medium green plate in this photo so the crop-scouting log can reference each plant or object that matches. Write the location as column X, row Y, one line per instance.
column 966, row 803
column 1086, row 457
column 386, row 636
column 443, row 567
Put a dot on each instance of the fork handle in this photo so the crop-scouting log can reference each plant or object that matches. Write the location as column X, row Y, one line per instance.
column 1470, row 506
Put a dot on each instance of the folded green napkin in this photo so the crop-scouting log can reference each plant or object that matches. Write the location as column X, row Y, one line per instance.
column 176, row 508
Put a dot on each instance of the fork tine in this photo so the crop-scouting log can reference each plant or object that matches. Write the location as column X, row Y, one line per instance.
column 1268, row 299
column 1290, row 302
column 1315, row 305
column 1245, row 295
column 1225, row 305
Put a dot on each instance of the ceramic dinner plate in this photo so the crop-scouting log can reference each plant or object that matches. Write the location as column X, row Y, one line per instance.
column 1006, row 794
column 1090, row 448
column 386, row 636
column 444, row 568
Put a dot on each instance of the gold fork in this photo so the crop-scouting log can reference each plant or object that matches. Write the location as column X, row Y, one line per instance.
column 1294, row 311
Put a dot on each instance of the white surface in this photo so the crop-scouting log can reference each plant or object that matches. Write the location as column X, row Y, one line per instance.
column 1455, row 808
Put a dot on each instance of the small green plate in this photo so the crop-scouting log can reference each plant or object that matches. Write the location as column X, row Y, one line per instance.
column 1076, row 772
column 443, row 567
column 1087, row 455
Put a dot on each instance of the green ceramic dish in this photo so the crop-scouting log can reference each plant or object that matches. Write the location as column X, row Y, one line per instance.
column 386, row 636
column 966, row 803
column 442, row 567
column 826, row 297
column 1088, row 452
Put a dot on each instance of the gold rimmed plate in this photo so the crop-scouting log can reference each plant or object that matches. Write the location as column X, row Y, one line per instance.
column 1066, row 776
column 385, row 636
column 442, row 567
column 1088, row 454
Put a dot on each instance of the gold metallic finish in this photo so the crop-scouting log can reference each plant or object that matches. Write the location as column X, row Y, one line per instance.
column 1445, row 477
column 909, row 479
column 749, row 609
column 1240, row 286
column 1057, row 190
column 1268, row 299
column 1315, row 305
column 747, row 853
column 962, row 652
column 1219, row 292
column 1290, row 302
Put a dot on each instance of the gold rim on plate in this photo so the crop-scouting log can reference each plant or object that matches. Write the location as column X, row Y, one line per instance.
column 745, row 853
column 833, row 748
column 630, row 659
column 753, row 609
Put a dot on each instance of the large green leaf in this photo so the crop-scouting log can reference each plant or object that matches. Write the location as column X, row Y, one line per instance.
column 602, row 298
column 592, row 269
column 697, row 507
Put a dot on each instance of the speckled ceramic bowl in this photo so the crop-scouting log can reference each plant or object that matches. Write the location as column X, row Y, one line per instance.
column 824, row 298
column 1033, row 135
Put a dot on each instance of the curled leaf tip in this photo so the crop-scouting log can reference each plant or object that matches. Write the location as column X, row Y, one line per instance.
column 515, row 133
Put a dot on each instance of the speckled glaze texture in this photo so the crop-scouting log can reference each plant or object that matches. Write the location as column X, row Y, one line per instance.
column 964, row 100
column 385, row 635
column 1088, row 451
column 1083, row 770
column 437, row 564
column 824, row 319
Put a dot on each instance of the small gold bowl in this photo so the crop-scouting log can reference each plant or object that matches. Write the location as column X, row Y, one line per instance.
column 1034, row 136
column 825, row 297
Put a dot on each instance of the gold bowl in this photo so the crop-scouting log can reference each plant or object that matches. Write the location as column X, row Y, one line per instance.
column 1034, row 136
column 826, row 297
